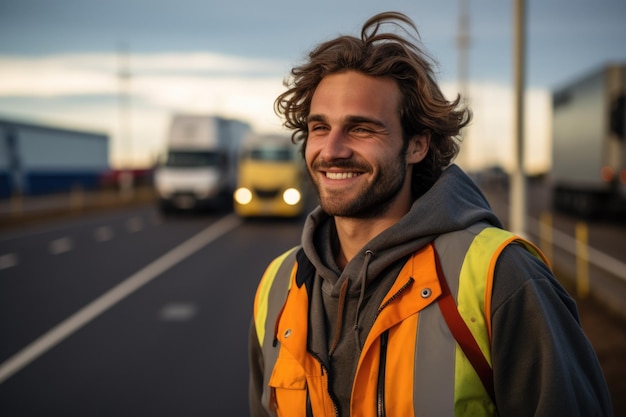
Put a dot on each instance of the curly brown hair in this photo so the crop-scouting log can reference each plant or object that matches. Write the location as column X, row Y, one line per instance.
column 423, row 107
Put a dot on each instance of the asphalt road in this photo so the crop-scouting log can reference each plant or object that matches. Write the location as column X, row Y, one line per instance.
column 171, row 344
column 125, row 313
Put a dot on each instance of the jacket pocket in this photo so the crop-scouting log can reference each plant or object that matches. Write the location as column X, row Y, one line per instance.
column 288, row 387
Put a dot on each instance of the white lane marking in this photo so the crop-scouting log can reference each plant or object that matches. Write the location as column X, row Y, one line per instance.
column 8, row 260
column 134, row 224
column 103, row 233
column 70, row 325
column 178, row 312
column 61, row 245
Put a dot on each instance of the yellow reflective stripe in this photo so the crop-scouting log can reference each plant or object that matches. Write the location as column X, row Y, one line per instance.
column 262, row 295
column 473, row 284
column 474, row 305
column 475, row 279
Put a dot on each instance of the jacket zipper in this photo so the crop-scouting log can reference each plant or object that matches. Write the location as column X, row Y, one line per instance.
column 382, row 364
column 393, row 297
column 330, row 395
column 380, row 401
column 309, row 409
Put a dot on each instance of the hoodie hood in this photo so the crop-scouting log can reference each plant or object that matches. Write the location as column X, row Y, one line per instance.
column 453, row 203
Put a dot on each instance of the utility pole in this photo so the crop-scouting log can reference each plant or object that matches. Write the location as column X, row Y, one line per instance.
column 123, row 75
column 463, row 43
column 518, row 204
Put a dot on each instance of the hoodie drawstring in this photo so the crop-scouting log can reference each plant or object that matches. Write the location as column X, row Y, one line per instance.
column 363, row 280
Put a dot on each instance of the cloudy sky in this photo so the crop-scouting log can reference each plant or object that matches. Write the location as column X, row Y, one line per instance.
column 60, row 61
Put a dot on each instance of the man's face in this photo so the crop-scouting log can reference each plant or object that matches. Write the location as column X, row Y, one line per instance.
column 354, row 151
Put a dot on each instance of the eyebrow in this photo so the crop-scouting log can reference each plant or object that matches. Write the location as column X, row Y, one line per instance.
column 315, row 118
column 348, row 119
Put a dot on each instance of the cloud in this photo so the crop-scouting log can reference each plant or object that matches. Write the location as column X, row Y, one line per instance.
column 99, row 73
column 56, row 75
column 83, row 90
column 490, row 139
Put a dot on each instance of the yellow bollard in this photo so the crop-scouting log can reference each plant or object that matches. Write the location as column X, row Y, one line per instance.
column 77, row 197
column 582, row 259
column 545, row 235
column 126, row 185
column 17, row 204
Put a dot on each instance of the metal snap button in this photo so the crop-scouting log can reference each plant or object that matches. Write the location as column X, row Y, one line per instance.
column 287, row 333
column 426, row 292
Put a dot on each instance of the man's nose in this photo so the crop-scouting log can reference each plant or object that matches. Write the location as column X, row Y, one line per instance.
column 336, row 146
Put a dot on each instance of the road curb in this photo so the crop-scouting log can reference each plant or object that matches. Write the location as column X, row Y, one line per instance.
column 32, row 210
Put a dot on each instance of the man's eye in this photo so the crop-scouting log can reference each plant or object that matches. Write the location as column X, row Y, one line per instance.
column 361, row 130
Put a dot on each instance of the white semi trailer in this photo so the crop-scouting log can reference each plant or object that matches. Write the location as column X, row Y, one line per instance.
column 38, row 159
column 589, row 146
column 199, row 168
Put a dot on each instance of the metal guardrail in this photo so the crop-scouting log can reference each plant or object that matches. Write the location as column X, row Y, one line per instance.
column 573, row 246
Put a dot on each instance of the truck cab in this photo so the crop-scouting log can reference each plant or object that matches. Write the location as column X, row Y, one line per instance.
column 271, row 181
column 199, row 168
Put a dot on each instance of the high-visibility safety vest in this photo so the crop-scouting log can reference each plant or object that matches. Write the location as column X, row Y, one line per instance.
column 411, row 363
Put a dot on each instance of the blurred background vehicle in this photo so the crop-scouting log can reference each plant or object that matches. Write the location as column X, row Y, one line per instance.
column 199, row 169
column 589, row 143
column 271, row 180
column 36, row 159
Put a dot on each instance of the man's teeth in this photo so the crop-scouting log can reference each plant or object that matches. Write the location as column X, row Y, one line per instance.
column 340, row 175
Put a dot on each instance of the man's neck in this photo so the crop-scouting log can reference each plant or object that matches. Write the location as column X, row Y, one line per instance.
column 354, row 234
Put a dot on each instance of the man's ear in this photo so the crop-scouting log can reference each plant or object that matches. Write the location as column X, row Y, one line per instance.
column 418, row 148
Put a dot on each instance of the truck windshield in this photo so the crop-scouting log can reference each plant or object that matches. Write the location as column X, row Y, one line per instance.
column 188, row 159
column 271, row 154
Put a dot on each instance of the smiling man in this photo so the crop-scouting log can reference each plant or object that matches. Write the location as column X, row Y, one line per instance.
column 357, row 156
column 406, row 296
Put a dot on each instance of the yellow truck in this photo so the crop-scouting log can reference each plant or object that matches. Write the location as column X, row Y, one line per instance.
column 271, row 178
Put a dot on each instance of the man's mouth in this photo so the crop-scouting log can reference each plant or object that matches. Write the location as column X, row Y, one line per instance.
column 341, row 175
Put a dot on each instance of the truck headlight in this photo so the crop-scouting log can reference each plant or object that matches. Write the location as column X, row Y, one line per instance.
column 291, row 196
column 243, row 196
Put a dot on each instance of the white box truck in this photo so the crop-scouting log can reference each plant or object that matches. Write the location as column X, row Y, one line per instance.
column 589, row 146
column 199, row 168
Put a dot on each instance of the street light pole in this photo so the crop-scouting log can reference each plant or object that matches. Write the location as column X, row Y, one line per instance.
column 517, row 212
column 125, row 178
column 462, row 43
